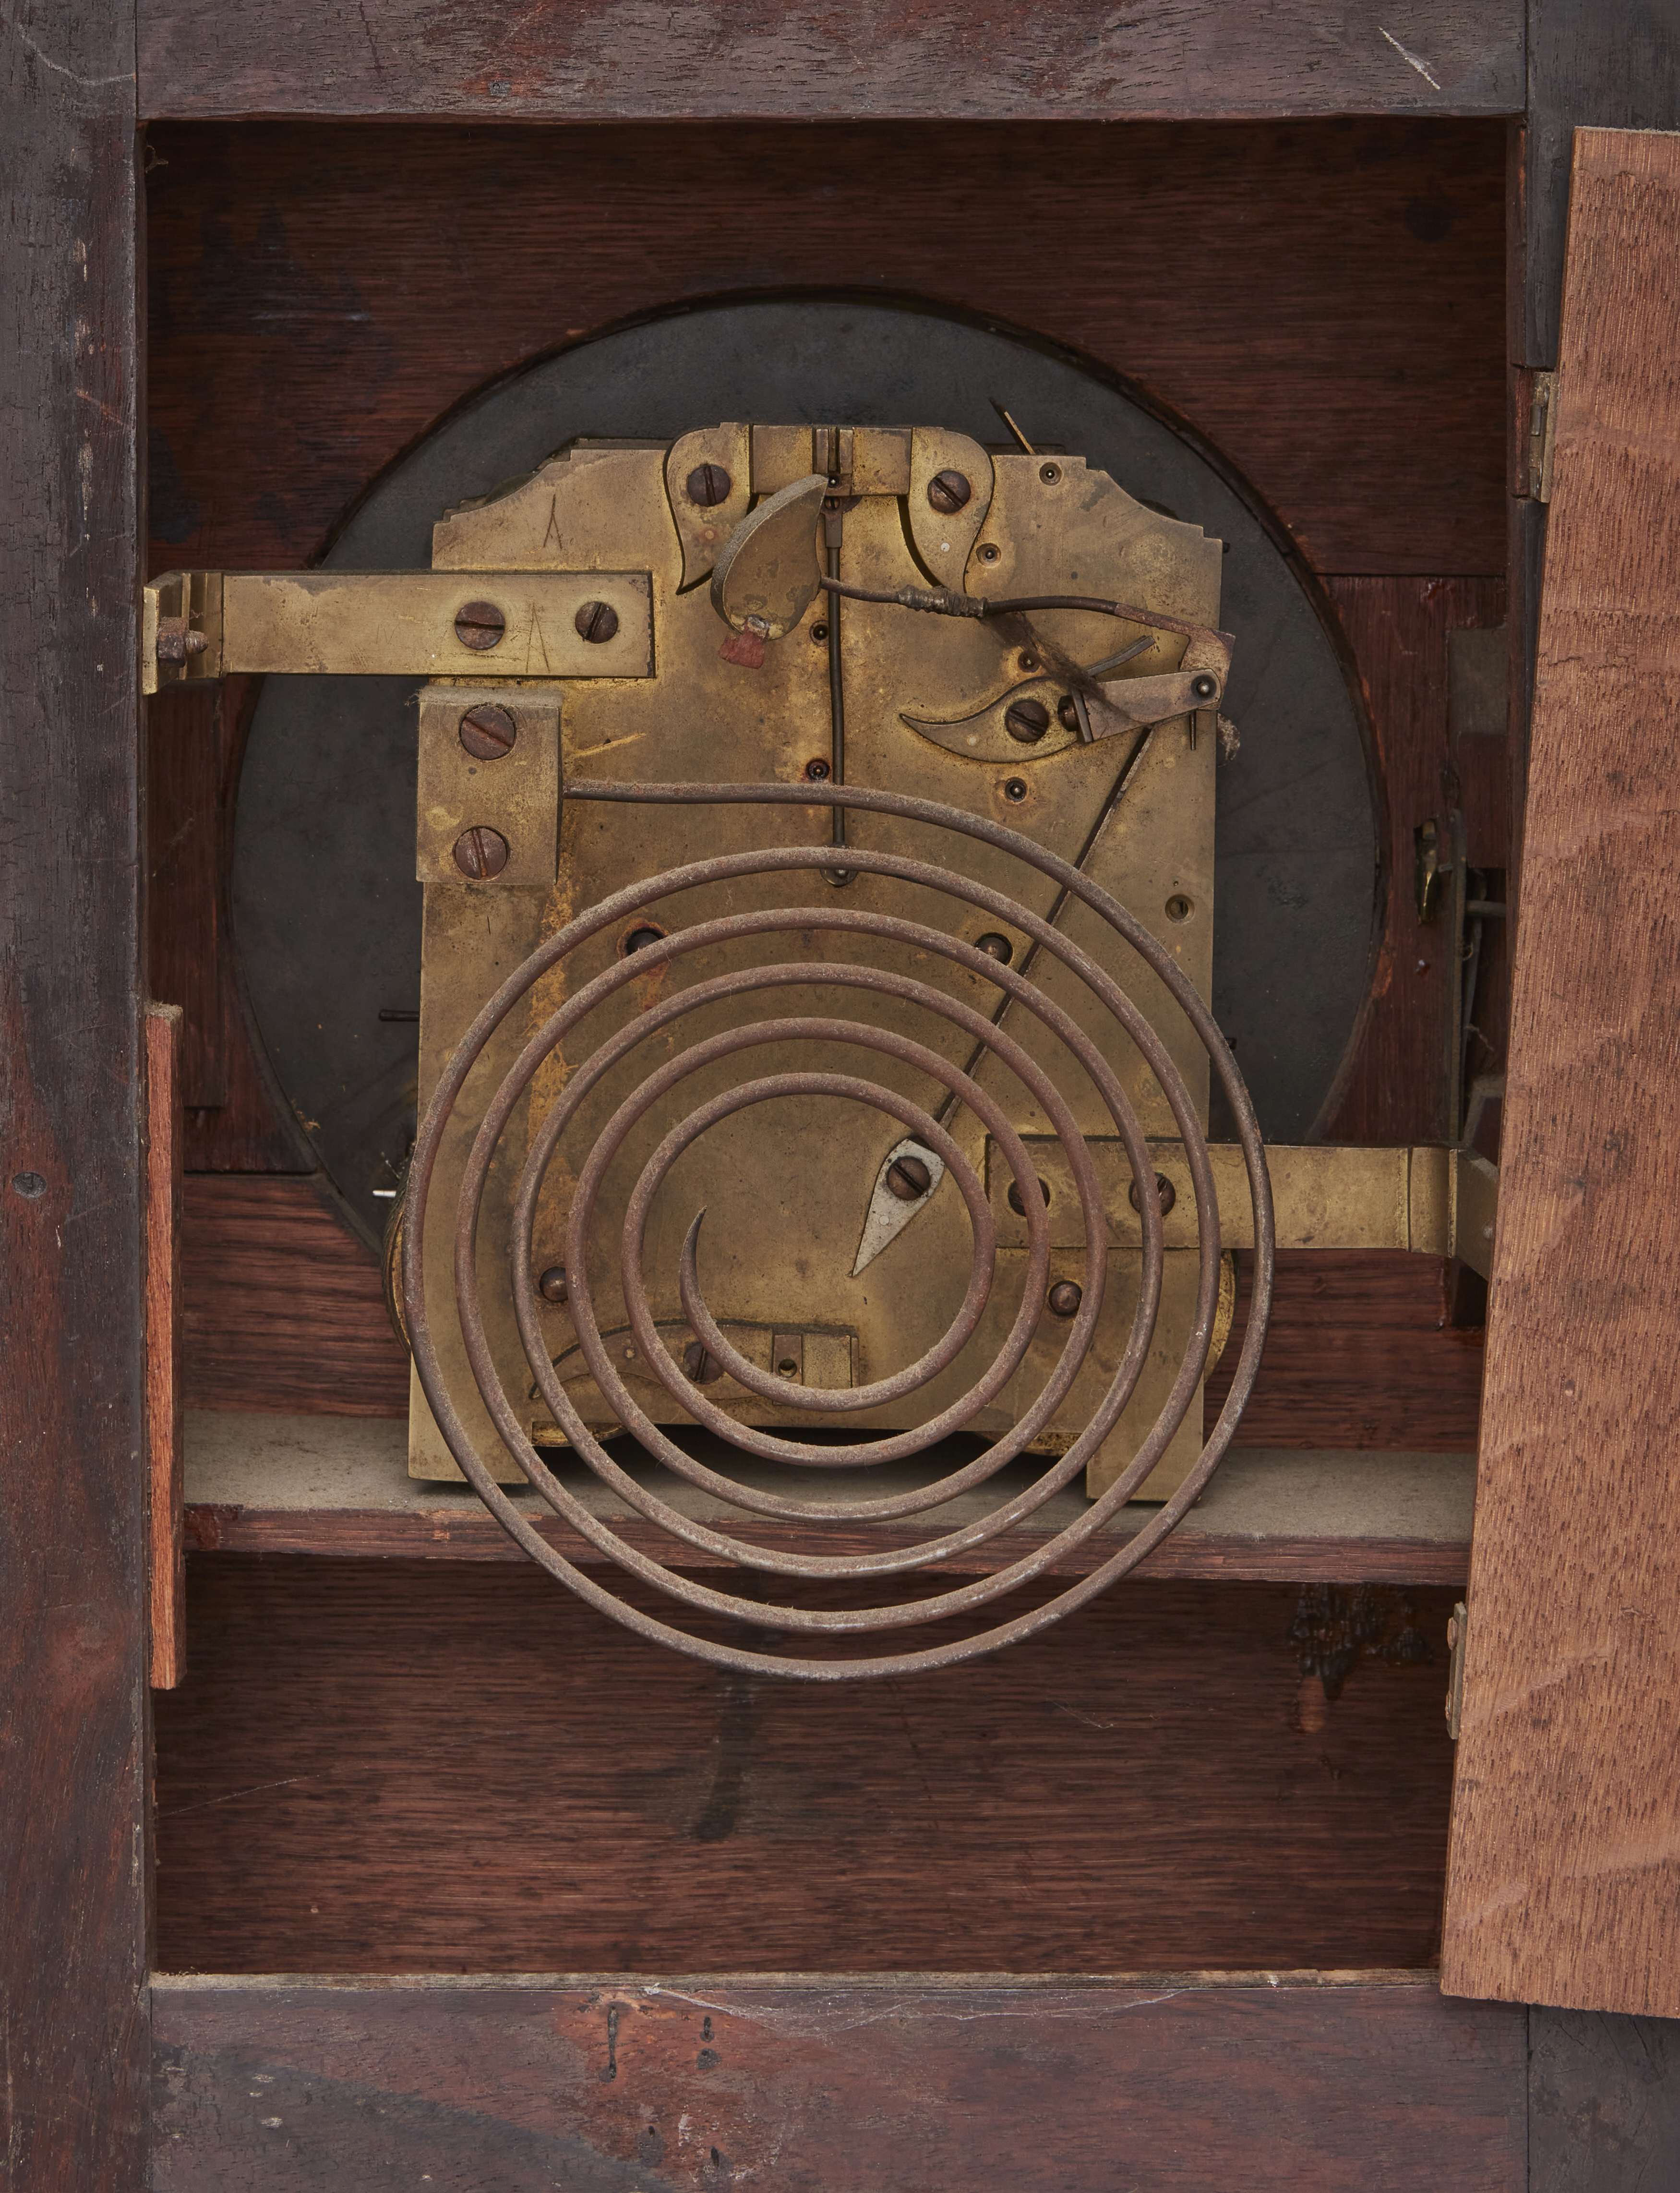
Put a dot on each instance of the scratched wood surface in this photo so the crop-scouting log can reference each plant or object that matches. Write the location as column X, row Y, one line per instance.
column 1566, row 1851
column 1603, row 2101
column 394, row 1766
column 1213, row 57
column 829, row 2085
column 73, row 1401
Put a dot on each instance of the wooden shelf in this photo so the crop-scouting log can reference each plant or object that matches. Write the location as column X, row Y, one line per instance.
column 339, row 1486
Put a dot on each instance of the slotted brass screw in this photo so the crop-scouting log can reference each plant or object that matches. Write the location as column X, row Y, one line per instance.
column 481, row 853
column 488, row 732
column 909, row 1178
column 1026, row 721
column 480, row 626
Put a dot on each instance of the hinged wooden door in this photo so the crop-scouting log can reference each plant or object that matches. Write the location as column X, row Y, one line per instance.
column 1564, row 1869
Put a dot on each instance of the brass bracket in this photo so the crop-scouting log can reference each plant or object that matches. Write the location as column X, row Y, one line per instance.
column 488, row 808
column 199, row 626
column 1435, row 1201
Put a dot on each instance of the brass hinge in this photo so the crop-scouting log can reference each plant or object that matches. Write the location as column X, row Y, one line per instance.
column 1542, row 432
column 1455, row 1629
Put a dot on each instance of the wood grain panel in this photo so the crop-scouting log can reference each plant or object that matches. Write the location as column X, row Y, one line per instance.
column 1170, row 2084
column 1323, row 301
column 165, row 1443
column 283, row 1306
column 598, row 63
column 458, row 1534
column 409, row 1766
column 72, row 1399
column 1566, row 1854
column 236, row 1119
column 185, row 948
column 1358, row 1354
column 1398, row 630
column 284, row 1311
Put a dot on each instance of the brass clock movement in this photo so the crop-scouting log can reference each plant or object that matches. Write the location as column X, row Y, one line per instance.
column 893, row 842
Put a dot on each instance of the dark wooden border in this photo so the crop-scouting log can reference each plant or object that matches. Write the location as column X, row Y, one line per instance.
column 70, row 1804
column 915, row 60
column 1169, row 2084
column 72, row 1408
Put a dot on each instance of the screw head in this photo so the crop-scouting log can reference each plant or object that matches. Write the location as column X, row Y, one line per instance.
column 949, row 492
column 708, row 485
column 1166, row 1195
column 639, row 939
column 480, row 626
column 1178, row 908
column 488, row 732
column 1204, row 687
column 700, row 1366
column 1013, row 1198
column 909, row 1178
column 997, row 948
column 1050, row 474
column 1015, row 791
column 596, row 622
column 481, row 853
column 1026, row 721
column 1064, row 1298
column 817, row 771
column 553, row 1286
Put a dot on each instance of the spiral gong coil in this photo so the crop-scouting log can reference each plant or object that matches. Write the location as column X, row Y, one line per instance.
column 634, row 911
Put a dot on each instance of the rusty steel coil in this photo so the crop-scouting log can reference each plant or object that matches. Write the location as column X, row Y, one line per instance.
column 788, row 1623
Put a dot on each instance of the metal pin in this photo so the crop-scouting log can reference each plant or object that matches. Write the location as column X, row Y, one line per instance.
column 1012, row 426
